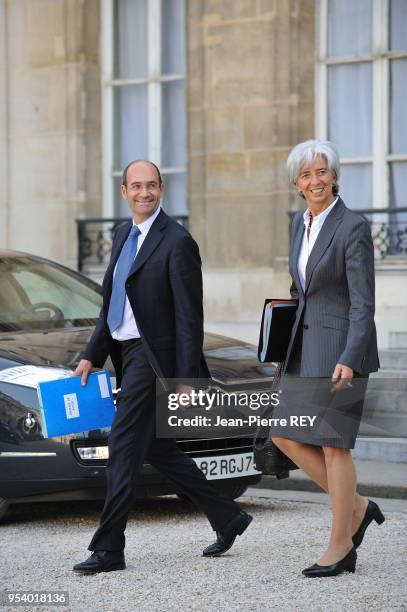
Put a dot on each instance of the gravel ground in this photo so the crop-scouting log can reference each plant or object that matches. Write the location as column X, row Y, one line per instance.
column 165, row 569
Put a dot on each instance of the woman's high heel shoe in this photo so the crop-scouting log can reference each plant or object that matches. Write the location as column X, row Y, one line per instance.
column 347, row 564
column 373, row 513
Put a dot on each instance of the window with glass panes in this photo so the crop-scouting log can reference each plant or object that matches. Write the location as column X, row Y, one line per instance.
column 143, row 114
column 361, row 97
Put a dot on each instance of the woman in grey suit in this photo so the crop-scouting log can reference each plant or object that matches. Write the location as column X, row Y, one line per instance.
column 333, row 346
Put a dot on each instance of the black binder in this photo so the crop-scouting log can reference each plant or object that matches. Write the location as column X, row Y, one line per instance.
column 275, row 330
column 275, row 334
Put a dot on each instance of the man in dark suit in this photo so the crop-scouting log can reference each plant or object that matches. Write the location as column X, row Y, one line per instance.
column 151, row 324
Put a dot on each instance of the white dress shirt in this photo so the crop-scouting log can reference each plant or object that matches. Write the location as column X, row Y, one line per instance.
column 308, row 244
column 128, row 329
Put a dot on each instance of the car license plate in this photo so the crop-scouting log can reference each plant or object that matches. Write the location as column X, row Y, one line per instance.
column 227, row 466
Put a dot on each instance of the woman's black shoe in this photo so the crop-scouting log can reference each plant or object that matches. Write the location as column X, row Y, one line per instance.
column 347, row 564
column 373, row 513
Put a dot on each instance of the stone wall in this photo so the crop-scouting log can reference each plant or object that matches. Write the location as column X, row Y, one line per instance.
column 250, row 99
column 49, row 123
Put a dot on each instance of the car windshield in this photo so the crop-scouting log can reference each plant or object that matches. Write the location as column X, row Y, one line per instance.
column 36, row 294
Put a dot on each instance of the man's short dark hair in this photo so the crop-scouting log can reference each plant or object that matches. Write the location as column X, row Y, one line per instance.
column 144, row 161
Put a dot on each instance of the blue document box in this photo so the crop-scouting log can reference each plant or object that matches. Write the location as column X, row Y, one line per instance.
column 68, row 407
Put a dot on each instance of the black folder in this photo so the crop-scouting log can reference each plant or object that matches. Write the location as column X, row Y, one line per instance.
column 275, row 330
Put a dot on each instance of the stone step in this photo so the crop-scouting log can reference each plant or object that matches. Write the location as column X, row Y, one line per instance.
column 381, row 449
column 388, row 373
column 383, row 386
column 384, row 425
column 385, row 402
column 375, row 479
column 395, row 359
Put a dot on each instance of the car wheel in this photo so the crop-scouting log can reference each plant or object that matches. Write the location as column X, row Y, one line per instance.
column 4, row 506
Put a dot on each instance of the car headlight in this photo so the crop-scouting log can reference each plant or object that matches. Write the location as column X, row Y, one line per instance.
column 95, row 453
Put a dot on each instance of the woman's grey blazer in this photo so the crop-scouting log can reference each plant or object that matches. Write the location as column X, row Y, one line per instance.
column 336, row 310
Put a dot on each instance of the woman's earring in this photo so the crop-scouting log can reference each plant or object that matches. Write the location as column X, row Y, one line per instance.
column 335, row 189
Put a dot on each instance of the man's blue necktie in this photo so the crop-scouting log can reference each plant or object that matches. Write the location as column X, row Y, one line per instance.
column 124, row 263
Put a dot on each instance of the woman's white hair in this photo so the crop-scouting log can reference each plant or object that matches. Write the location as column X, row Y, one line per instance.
column 304, row 153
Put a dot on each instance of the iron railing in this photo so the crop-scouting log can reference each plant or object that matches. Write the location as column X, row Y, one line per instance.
column 388, row 225
column 95, row 237
column 389, row 230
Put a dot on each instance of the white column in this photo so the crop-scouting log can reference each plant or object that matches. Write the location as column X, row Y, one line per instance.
column 380, row 104
column 4, row 129
column 321, row 93
column 154, row 86
column 106, row 54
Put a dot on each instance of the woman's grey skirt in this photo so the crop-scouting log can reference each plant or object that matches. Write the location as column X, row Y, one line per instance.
column 310, row 411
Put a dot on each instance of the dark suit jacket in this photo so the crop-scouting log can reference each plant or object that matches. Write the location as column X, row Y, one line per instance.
column 164, row 288
column 336, row 310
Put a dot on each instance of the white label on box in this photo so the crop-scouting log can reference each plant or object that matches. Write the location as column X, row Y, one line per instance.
column 103, row 386
column 71, row 405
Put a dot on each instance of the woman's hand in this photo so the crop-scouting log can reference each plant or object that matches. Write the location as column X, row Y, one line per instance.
column 342, row 377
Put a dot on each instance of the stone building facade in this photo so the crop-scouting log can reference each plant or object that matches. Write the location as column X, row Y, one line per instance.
column 251, row 93
column 50, row 124
column 250, row 98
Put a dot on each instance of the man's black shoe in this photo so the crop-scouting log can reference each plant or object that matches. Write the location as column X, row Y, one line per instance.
column 101, row 561
column 228, row 535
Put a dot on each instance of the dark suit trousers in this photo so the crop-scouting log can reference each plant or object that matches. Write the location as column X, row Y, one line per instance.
column 132, row 441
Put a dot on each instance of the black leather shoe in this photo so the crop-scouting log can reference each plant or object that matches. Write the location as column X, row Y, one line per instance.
column 101, row 561
column 347, row 564
column 227, row 536
column 373, row 513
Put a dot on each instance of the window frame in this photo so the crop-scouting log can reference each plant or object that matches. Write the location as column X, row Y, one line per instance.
column 380, row 59
column 154, row 81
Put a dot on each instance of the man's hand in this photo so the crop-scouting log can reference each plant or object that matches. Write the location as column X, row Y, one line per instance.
column 83, row 370
column 184, row 390
column 341, row 378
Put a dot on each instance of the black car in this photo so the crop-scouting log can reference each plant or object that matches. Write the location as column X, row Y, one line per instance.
column 47, row 313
